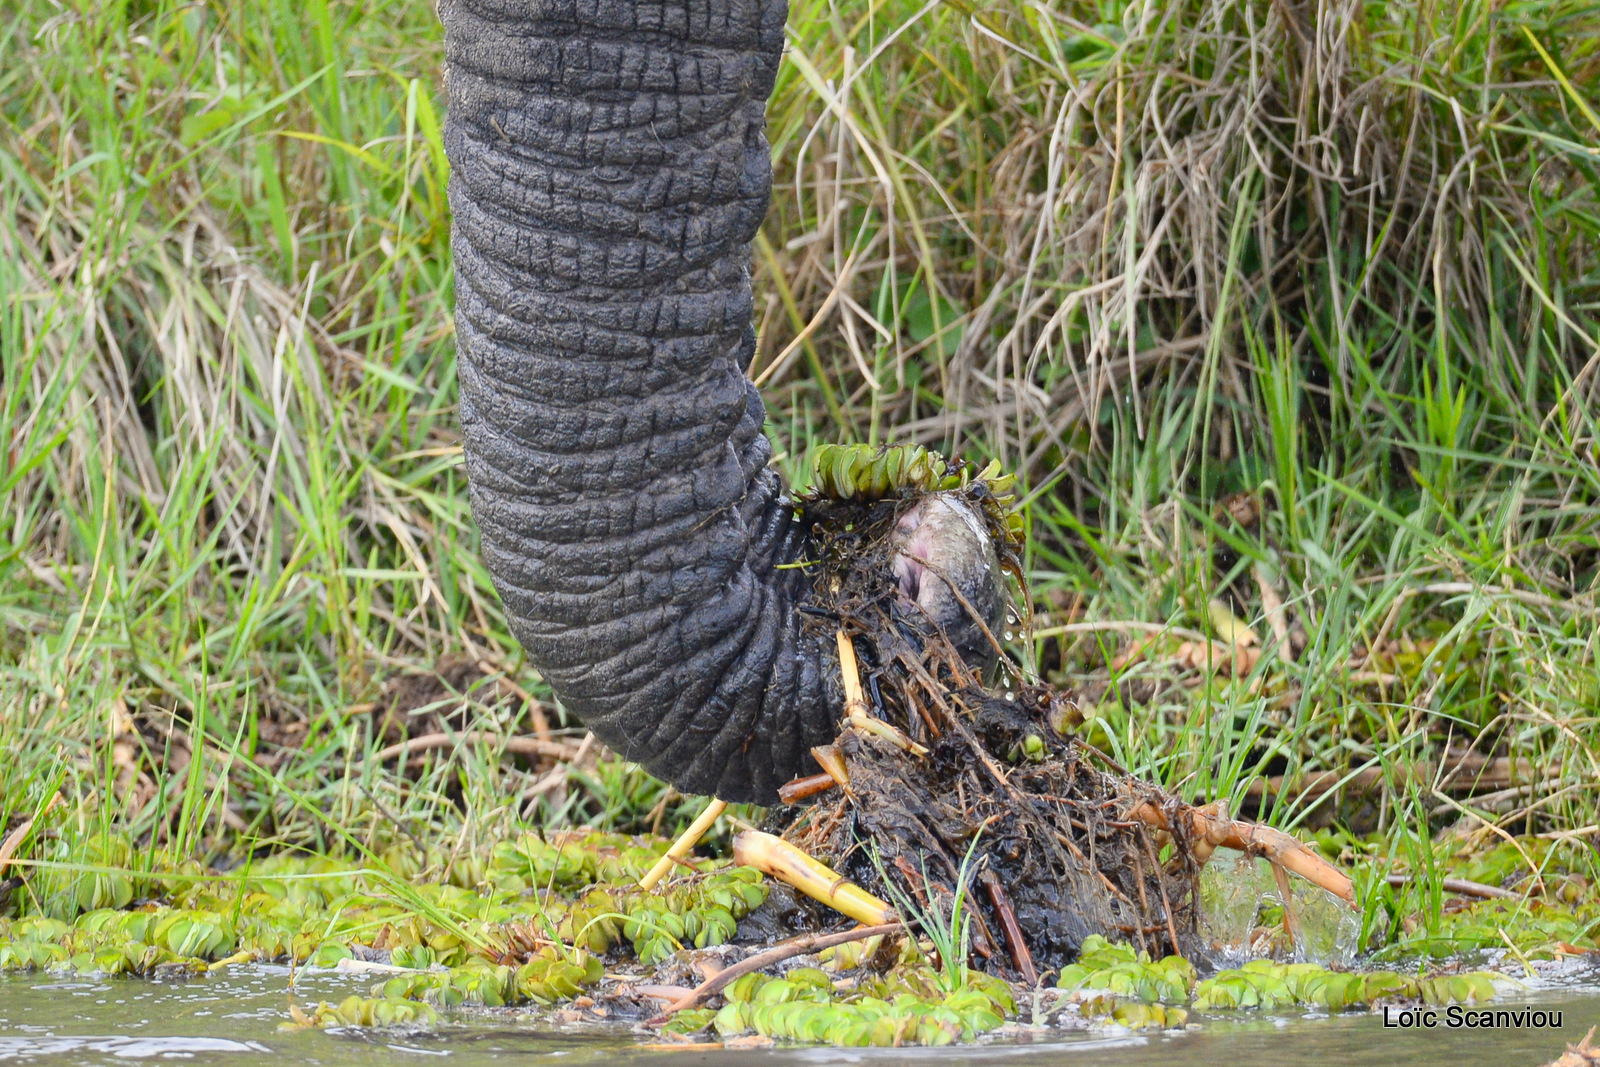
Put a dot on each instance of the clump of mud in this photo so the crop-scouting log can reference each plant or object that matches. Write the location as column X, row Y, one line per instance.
column 1002, row 803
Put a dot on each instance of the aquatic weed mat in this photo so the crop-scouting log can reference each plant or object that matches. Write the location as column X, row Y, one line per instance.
column 557, row 928
column 537, row 920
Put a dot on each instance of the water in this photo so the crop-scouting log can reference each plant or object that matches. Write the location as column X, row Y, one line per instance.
column 1234, row 888
column 232, row 1019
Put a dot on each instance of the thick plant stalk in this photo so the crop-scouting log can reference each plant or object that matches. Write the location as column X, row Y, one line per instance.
column 799, row 789
column 1016, row 941
column 778, row 859
column 834, row 773
column 686, row 841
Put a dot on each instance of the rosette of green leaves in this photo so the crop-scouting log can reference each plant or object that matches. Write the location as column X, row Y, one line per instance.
column 851, row 954
column 1267, row 985
column 554, row 975
column 591, row 922
column 697, row 914
column 107, row 941
column 629, row 862
column 202, row 934
column 1472, row 988
column 30, row 955
column 1537, row 927
column 374, row 1011
column 93, row 874
column 97, row 945
column 456, row 900
column 738, row 890
column 308, row 883
column 927, row 983
column 407, row 862
column 415, row 957
column 266, row 938
column 34, row 943
column 448, row 946
column 478, row 983
column 864, row 473
column 272, row 927
column 1127, row 974
column 690, row 1021
column 1107, row 1009
column 801, row 1006
column 528, row 862
column 656, row 930
column 550, row 976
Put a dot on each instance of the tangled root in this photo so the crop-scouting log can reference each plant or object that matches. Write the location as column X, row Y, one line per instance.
column 942, row 787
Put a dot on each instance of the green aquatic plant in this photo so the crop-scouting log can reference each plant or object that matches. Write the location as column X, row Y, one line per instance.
column 1536, row 928
column 528, row 927
column 911, row 1008
column 84, row 875
column 1128, row 974
column 1267, row 985
column 231, row 575
column 862, row 473
column 1108, row 1010
column 527, row 921
column 33, row 944
column 950, row 931
column 368, row 1011
column 1385, row 441
column 550, row 976
column 1117, row 983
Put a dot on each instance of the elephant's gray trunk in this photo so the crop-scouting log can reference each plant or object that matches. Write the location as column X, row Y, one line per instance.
column 609, row 168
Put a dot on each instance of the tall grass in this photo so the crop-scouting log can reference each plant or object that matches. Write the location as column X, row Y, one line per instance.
column 1341, row 258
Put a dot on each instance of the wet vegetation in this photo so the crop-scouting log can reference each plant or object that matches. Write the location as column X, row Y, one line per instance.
column 1284, row 326
column 560, row 927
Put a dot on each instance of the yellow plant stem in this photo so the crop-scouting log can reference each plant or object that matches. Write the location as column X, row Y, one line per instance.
column 778, row 859
column 855, row 703
column 686, row 841
column 247, row 956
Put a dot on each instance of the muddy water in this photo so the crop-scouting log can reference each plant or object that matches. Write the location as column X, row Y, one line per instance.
column 233, row 1020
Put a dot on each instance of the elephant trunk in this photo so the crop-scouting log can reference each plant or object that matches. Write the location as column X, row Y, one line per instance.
column 609, row 167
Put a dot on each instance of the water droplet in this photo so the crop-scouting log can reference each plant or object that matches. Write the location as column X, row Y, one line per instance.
column 1011, row 696
column 1010, row 636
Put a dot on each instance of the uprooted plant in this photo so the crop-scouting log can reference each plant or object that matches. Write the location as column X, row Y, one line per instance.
column 937, row 780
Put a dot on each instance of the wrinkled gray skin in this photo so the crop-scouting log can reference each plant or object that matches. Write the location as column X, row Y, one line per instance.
column 609, row 167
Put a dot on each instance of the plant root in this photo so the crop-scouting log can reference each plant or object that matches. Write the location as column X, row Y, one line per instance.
column 940, row 789
column 855, row 704
column 1210, row 824
column 799, row 946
